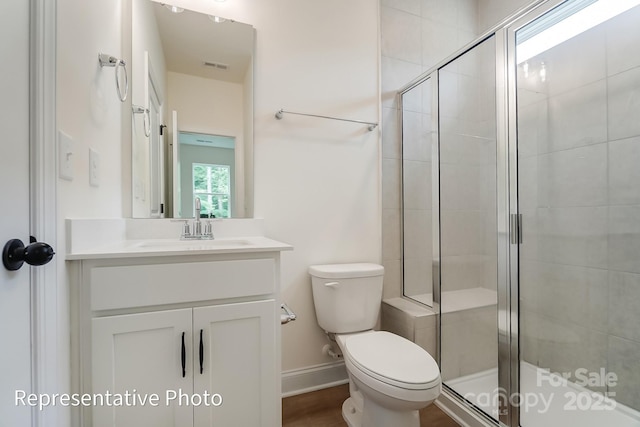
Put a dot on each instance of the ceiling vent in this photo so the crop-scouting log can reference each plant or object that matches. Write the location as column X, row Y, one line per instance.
column 216, row 65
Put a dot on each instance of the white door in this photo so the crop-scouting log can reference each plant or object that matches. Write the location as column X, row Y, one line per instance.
column 238, row 362
column 156, row 161
column 175, row 169
column 15, row 308
column 143, row 353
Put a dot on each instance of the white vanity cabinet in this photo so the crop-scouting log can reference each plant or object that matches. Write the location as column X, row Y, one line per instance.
column 200, row 332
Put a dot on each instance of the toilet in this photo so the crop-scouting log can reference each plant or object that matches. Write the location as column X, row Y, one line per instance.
column 390, row 377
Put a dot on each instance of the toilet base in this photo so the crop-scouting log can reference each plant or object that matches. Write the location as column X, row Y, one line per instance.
column 377, row 416
column 351, row 414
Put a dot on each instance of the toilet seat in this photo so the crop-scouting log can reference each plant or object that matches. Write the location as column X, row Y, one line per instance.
column 392, row 359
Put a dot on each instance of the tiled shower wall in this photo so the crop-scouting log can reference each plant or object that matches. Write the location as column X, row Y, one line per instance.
column 416, row 34
column 579, row 167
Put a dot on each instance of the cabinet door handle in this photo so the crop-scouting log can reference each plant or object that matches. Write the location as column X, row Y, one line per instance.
column 183, row 355
column 201, row 351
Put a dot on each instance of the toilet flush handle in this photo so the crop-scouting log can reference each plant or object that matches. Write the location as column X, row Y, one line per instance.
column 332, row 284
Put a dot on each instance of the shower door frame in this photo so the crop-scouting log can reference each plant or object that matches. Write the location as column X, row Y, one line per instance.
column 509, row 226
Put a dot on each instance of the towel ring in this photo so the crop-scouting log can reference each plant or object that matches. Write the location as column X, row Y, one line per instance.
column 146, row 118
column 111, row 61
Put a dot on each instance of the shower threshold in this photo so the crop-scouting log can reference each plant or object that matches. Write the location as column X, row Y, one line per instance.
column 547, row 400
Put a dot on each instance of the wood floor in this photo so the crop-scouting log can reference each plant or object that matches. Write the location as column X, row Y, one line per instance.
column 323, row 408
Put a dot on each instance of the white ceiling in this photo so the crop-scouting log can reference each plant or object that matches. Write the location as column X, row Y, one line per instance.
column 191, row 38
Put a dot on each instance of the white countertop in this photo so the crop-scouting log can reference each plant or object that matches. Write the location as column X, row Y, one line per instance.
column 177, row 247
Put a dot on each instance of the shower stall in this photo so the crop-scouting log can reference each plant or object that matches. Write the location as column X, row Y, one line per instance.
column 521, row 215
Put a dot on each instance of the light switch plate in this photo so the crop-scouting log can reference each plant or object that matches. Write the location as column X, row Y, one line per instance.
column 65, row 156
column 94, row 168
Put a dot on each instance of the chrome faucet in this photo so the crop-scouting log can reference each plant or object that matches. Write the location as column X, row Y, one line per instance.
column 197, row 225
column 195, row 231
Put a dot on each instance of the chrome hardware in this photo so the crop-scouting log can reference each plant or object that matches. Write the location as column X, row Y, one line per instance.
column 515, row 222
column 289, row 315
column 194, row 232
column 106, row 60
column 186, row 229
column 370, row 125
column 146, row 118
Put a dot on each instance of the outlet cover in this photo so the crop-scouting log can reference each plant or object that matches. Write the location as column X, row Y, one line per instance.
column 65, row 156
column 94, row 168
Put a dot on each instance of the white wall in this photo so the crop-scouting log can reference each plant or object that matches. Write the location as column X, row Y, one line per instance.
column 89, row 111
column 316, row 181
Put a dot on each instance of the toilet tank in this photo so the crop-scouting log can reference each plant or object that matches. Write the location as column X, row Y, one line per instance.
column 347, row 297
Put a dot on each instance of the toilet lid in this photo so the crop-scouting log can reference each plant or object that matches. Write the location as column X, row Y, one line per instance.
column 393, row 360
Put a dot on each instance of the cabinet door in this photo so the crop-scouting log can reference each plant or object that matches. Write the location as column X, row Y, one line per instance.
column 142, row 354
column 239, row 363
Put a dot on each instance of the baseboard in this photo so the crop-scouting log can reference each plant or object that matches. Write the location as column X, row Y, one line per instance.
column 461, row 413
column 314, row 378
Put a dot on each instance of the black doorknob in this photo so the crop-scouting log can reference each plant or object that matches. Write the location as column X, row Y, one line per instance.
column 15, row 254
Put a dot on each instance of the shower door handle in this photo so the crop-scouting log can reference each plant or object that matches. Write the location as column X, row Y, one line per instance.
column 515, row 228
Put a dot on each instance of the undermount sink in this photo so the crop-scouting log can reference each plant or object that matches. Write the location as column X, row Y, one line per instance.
column 193, row 244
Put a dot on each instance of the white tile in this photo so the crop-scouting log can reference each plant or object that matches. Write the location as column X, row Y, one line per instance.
column 529, row 336
column 417, row 235
column 412, row 100
column 623, row 38
column 426, row 87
column 452, row 349
column 441, row 11
column 416, row 143
column 390, row 134
column 529, row 286
column 411, row 6
column 391, row 234
column 467, row 149
column 578, row 117
column 462, row 233
column 624, row 238
column 575, row 177
column 575, row 236
column 417, row 185
column 624, row 104
column 439, row 40
column 467, row 11
column 426, row 338
column 395, row 74
column 392, row 278
column 565, row 347
column 624, row 305
column 462, row 187
column 396, row 321
column 528, row 183
column 461, row 272
column 448, row 94
column 401, row 35
column 391, row 186
column 533, row 127
column 624, row 171
column 576, row 62
column 623, row 361
column 530, row 234
column 417, row 277
column 573, row 294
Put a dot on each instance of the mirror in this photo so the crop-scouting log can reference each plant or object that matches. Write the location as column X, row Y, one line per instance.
column 192, row 113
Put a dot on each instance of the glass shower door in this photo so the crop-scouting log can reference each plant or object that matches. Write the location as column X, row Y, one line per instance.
column 578, row 149
column 468, row 226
